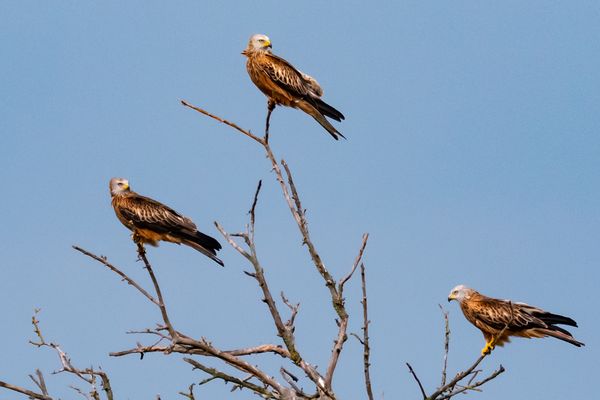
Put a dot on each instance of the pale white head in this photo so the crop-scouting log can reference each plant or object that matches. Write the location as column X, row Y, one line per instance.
column 460, row 292
column 259, row 42
column 118, row 186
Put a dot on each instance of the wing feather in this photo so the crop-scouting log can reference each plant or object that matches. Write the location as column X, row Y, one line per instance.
column 286, row 76
column 146, row 213
column 496, row 314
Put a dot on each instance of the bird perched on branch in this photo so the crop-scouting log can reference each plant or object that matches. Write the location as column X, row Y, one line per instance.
column 491, row 316
column 285, row 85
column 152, row 221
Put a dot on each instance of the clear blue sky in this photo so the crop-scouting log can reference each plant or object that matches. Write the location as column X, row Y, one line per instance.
column 472, row 157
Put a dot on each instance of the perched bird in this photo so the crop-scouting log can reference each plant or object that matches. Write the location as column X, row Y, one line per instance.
column 285, row 85
column 492, row 315
column 152, row 221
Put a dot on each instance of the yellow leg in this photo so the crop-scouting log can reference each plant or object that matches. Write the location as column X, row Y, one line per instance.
column 488, row 348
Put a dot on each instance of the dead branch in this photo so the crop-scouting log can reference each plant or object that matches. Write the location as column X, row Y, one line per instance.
column 27, row 392
column 446, row 343
column 343, row 323
column 216, row 374
column 183, row 343
column 292, row 198
column 452, row 388
column 190, row 393
column 412, row 372
column 284, row 330
column 365, row 340
column 223, row 121
column 103, row 260
column 161, row 303
column 88, row 375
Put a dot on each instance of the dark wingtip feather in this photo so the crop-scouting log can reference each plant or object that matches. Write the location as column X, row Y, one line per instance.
column 556, row 319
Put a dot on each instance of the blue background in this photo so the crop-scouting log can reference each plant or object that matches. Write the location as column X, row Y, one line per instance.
column 472, row 157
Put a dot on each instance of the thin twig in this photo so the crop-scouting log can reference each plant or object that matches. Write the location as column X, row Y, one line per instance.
column 338, row 302
column 224, row 121
column 216, row 374
column 161, row 302
column 190, row 393
column 40, row 382
column 442, row 391
column 365, row 341
column 27, row 392
column 116, row 270
column 475, row 385
column 446, row 343
column 410, row 369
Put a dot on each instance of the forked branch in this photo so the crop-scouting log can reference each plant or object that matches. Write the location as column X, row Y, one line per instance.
column 454, row 387
column 292, row 198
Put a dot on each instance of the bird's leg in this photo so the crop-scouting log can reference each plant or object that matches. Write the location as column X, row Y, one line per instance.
column 489, row 346
column 137, row 239
column 270, row 108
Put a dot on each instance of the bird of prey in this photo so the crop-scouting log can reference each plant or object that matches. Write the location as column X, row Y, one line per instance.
column 492, row 315
column 152, row 221
column 285, row 85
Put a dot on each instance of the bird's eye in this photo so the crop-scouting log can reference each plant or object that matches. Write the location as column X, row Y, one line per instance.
column 261, row 40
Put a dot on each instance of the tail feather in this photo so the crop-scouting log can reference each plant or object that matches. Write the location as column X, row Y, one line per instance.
column 562, row 334
column 327, row 110
column 205, row 244
column 316, row 114
column 208, row 253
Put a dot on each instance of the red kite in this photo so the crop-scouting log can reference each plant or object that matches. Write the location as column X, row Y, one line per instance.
column 492, row 315
column 152, row 221
column 285, row 85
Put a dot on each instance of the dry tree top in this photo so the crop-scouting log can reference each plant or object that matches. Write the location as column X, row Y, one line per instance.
column 299, row 377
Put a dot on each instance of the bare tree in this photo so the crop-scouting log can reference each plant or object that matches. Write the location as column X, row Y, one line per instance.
column 248, row 376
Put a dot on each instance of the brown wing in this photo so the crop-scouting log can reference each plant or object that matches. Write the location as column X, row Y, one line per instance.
column 146, row 213
column 293, row 82
column 496, row 314
column 285, row 76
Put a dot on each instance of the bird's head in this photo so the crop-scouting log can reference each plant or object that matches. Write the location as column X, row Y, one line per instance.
column 258, row 42
column 118, row 186
column 459, row 293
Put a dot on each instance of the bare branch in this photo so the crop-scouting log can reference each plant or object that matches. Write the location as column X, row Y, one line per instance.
column 285, row 331
column 475, row 385
column 410, row 369
column 345, row 279
column 446, row 343
column 161, row 302
column 448, row 390
column 126, row 278
column 365, row 341
column 338, row 302
column 40, row 382
column 190, row 393
column 216, row 374
column 231, row 124
column 181, row 349
column 29, row 393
